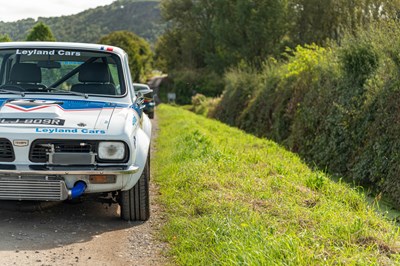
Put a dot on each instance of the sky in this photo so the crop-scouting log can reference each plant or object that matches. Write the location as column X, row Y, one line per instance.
column 13, row 10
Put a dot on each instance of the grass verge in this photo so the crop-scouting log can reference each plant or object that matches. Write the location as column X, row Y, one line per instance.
column 234, row 199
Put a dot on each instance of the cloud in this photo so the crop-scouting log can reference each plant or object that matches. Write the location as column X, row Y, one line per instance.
column 20, row 9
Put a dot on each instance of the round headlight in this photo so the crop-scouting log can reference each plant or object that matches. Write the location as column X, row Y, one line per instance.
column 111, row 150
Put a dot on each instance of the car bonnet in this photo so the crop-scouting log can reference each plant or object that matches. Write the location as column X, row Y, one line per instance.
column 56, row 113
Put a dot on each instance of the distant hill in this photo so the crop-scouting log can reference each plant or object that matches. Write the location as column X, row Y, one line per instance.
column 141, row 17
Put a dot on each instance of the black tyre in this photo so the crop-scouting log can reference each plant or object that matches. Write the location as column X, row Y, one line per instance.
column 135, row 203
column 151, row 115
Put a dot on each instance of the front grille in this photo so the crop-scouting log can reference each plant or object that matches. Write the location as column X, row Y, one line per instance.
column 75, row 147
column 6, row 151
column 46, row 190
column 40, row 149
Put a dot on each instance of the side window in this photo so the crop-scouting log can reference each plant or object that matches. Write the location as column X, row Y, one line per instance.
column 3, row 67
column 114, row 77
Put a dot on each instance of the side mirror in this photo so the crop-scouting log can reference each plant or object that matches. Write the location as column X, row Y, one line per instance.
column 143, row 92
column 140, row 91
column 140, row 99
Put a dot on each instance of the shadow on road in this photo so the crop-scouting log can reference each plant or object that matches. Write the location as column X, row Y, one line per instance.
column 56, row 226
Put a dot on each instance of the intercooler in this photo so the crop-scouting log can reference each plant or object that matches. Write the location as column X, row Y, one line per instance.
column 33, row 189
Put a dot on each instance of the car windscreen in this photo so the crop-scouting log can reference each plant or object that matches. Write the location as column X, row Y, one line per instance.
column 36, row 70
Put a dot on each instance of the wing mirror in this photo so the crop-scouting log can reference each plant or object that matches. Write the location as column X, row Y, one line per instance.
column 140, row 99
column 140, row 96
column 144, row 92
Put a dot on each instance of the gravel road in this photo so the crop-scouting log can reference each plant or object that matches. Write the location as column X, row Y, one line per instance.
column 83, row 233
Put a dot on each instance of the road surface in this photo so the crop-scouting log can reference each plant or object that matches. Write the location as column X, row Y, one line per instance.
column 81, row 233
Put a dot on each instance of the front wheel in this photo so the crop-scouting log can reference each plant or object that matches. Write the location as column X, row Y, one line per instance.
column 135, row 203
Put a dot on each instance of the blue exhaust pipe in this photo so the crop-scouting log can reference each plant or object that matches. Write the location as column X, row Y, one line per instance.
column 77, row 191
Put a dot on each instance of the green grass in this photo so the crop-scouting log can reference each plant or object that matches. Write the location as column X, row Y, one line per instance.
column 234, row 199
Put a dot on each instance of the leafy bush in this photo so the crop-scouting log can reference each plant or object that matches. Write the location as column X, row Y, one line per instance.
column 203, row 105
column 359, row 60
column 199, row 104
column 240, row 85
column 337, row 106
column 266, row 103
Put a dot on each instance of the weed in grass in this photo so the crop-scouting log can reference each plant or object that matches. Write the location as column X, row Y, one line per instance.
column 316, row 181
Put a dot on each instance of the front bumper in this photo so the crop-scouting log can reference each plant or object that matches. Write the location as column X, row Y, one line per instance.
column 63, row 170
column 45, row 183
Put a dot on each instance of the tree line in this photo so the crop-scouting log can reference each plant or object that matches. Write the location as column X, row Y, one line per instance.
column 208, row 37
column 141, row 17
column 219, row 34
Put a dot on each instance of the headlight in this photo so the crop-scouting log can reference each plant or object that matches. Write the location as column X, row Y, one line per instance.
column 111, row 150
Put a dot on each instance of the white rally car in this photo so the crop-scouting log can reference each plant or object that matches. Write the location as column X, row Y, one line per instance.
column 70, row 124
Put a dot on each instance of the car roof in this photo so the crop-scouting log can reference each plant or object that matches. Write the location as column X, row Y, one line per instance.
column 62, row 45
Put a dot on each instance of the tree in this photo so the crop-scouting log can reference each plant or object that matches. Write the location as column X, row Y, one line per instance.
column 219, row 34
column 249, row 30
column 40, row 32
column 138, row 50
column 190, row 37
column 5, row 38
column 319, row 20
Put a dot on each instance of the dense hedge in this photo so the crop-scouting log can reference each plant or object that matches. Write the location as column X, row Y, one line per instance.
column 339, row 107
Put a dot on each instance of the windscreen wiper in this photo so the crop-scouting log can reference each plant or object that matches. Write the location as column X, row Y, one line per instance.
column 69, row 92
column 13, row 92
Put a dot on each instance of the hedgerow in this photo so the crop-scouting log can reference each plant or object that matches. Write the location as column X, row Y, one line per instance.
column 337, row 106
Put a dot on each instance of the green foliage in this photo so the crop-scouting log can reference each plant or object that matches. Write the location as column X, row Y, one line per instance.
column 265, row 103
column 234, row 199
column 247, row 30
column 142, row 17
column 319, row 20
column 202, row 105
column 220, row 34
column 338, row 107
column 199, row 104
column 138, row 50
column 209, row 37
column 316, row 181
column 190, row 36
column 359, row 60
column 304, row 59
column 41, row 32
column 240, row 85
column 5, row 38
column 187, row 83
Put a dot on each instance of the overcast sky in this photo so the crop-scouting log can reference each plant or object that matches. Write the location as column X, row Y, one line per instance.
column 12, row 10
